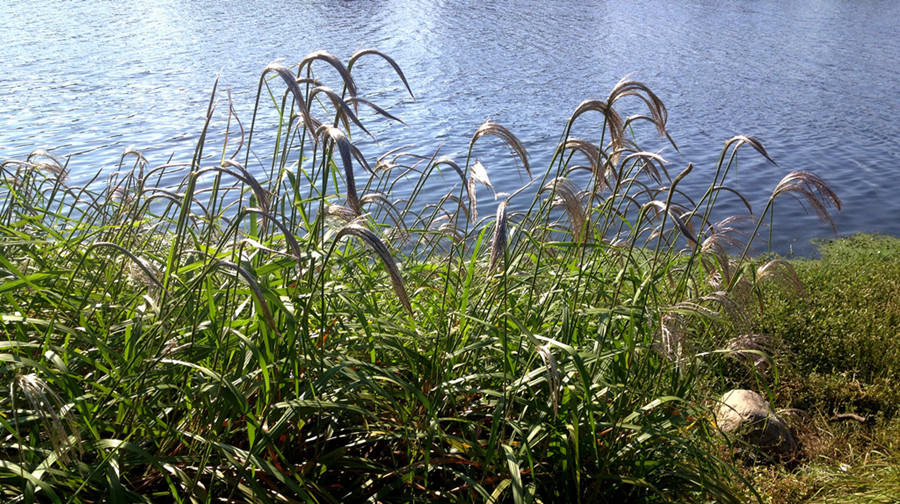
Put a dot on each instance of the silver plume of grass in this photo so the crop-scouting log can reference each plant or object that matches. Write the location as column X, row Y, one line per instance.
column 147, row 272
column 564, row 195
column 650, row 164
column 228, row 166
column 54, row 415
column 722, row 236
column 627, row 87
column 341, row 213
column 343, row 144
column 473, row 200
column 140, row 162
column 752, row 350
column 447, row 160
column 335, row 62
column 498, row 242
column 614, row 123
column 782, row 272
column 378, row 110
column 492, row 128
column 43, row 161
column 460, row 206
column 480, row 175
column 672, row 342
column 673, row 338
column 370, row 239
column 288, row 77
column 727, row 303
column 810, row 187
column 375, row 52
column 342, row 111
column 740, row 140
column 589, row 149
column 595, row 156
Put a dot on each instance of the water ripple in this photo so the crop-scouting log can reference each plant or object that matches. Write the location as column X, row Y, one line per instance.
column 817, row 83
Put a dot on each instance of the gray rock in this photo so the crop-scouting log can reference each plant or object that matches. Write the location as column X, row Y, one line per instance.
column 748, row 415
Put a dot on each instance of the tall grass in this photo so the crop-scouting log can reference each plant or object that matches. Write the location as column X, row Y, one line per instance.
column 297, row 333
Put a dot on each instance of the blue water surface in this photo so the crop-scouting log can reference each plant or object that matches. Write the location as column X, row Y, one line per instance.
column 816, row 81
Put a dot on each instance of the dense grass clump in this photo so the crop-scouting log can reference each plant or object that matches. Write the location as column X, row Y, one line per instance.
column 312, row 330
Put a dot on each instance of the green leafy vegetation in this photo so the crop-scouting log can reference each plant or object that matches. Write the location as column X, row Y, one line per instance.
column 850, row 319
column 837, row 349
column 312, row 330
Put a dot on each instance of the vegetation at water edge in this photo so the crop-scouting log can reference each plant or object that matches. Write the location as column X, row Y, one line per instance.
column 312, row 330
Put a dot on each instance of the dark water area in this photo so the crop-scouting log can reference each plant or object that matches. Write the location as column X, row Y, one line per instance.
column 818, row 82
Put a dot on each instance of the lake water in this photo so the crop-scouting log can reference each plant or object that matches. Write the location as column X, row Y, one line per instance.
column 816, row 81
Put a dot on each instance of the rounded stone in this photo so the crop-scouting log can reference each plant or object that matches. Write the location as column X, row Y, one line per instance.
column 748, row 415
